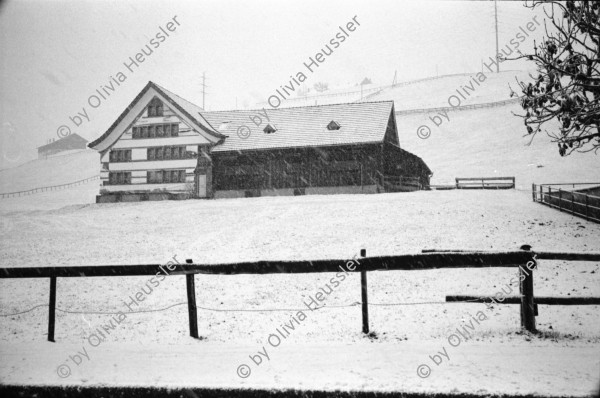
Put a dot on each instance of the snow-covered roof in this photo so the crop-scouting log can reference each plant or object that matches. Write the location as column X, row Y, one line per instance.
column 364, row 122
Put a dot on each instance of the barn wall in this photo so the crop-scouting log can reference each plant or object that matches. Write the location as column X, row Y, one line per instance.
column 398, row 162
column 351, row 165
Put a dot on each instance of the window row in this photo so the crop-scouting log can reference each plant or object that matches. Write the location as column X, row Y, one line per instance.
column 153, row 177
column 156, row 131
column 166, row 176
column 120, row 155
column 119, row 177
column 167, row 152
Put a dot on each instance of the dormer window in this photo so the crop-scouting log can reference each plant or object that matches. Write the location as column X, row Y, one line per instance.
column 270, row 129
column 155, row 108
column 333, row 125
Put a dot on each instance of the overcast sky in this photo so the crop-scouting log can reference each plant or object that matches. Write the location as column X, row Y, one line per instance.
column 55, row 54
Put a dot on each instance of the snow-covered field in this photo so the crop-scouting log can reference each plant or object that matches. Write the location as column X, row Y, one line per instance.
column 291, row 228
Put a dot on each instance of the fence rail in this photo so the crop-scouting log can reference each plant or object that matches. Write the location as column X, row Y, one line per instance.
column 574, row 201
column 401, row 183
column 430, row 259
column 459, row 108
column 48, row 188
column 486, row 183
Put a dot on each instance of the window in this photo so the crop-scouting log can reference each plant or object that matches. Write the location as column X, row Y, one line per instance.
column 166, row 176
column 166, row 153
column 155, row 108
column 156, row 131
column 333, row 125
column 120, row 155
column 119, row 177
column 269, row 129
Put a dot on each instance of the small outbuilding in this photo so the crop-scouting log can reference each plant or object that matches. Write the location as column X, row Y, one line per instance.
column 68, row 143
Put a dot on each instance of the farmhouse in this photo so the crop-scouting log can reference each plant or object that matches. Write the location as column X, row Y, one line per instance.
column 164, row 147
column 70, row 142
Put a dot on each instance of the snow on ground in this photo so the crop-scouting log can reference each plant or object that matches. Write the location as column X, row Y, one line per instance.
column 517, row 369
column 58, row 169
column 435, row 93
column 301, row 228
column 489, row 142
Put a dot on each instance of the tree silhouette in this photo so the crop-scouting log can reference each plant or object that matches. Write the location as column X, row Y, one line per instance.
column 567, row 88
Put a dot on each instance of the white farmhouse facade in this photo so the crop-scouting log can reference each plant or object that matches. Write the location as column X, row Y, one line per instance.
column 156, row 148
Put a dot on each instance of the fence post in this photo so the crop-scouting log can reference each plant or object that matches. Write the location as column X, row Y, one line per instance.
column 365, row 301
column 533, row 191
column 586, row 208
column 528, row 311
column 572, row 203
column 541, row 194
column 191, row 298
column 559, row 199
column 52, row 309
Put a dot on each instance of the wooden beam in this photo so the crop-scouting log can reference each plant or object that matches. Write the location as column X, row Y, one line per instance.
column 364, row 296
column 383, row 263
column 527, row 299
column 52, row 309
column 191, row 300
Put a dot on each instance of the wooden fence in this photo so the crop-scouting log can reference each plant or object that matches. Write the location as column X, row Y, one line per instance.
column 486, row 183
column 459, row 108
column 48, row 188
column 399, row 183
column 571, row 198
column 478, row 183
column 429, row 260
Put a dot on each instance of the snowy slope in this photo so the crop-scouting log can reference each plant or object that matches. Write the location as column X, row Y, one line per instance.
column 490, row 142
column 55, row 170
column 490, row 87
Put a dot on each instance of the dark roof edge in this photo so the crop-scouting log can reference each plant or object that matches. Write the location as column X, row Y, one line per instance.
column 302, row 146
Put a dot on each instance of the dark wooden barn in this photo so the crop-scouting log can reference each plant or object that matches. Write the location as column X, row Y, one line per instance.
column 342, row 148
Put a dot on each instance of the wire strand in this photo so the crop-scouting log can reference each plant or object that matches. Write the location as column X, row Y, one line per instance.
column 354, row 304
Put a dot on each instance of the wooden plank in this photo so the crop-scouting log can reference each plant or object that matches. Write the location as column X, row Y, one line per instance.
column 364, row 296
column 382, row 263
column 191, row 300
column 52, row 309
column 527, row 303
column 483, row 178
column 567, row 256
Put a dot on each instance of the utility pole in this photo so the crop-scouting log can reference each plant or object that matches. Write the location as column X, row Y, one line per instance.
column 203, row 90
column 496, row 18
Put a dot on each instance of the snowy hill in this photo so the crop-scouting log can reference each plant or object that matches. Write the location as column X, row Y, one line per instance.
column 55, row 170
column 433, row 93
column 489, row 142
